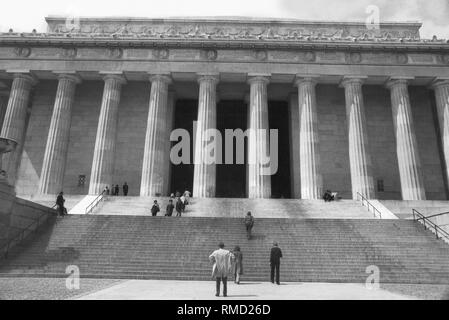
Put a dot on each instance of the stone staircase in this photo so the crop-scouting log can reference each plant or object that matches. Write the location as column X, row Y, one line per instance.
column 227, row 207
column 315, row 250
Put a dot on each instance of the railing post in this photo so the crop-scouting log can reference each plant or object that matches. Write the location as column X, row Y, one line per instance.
column 424, row 222
column 436, row 231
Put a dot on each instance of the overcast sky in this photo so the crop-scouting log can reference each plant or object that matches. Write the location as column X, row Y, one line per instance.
column 26, row 15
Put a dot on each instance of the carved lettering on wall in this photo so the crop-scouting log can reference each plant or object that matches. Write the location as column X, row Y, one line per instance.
column 69, row 52
column 354, row 57
column 210, row 54
column 115, row 53
column 161, row 53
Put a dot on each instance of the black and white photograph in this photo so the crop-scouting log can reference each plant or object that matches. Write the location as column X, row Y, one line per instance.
column 239, row 153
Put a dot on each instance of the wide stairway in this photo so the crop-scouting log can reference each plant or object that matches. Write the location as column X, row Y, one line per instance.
column 325, row 250
column 232, row 207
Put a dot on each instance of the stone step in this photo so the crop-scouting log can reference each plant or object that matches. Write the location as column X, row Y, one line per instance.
column 165, row 248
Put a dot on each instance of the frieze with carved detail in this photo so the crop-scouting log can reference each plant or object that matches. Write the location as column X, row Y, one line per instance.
column 233, row 29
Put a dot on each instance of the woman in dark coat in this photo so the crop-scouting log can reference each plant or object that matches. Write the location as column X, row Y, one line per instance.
column 238, row 265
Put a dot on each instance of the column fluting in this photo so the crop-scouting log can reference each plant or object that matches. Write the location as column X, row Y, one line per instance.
column 15, row 121
column 204, row 184
column 359, row 155
column 105, row 143
column 259, row 179
column 55, row 157
column 311, row 178
column 410, row 172
column 153, row 167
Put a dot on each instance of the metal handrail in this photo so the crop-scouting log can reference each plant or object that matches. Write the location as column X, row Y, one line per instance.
column 94, row 203
column 435, row 215
column 368, row 205
column 21, row 235
column 428, row 224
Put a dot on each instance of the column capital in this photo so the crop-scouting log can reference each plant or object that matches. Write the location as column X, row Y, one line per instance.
column 397, row 80
column 352, row 80
column 306, row 78
column 160, row 77
column 439, row 82
column 71, row 76
column 118, row 77
column 25, row 75
column 259, row 77
column 208, row 77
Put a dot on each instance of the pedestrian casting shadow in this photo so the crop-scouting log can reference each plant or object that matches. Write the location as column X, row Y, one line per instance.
column 245, row 283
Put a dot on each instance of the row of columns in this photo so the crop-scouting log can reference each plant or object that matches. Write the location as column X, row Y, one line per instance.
column 307, row 180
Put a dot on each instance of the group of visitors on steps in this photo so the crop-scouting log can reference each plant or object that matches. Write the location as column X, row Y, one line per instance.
column 115, row 190
column 177, row 203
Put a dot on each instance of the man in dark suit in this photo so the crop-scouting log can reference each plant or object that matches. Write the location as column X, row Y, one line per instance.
column 275, row 261
column 125, row 189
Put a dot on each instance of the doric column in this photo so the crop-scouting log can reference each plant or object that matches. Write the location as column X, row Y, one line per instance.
column 259, row 179
column 295, row 169
column 153, row 168
column 15, row 120
column 311, row 178
column 441, row 88
column 359, row 155
column 53, row 167
column 104, row 152
column 412, row 185
column 205, row 168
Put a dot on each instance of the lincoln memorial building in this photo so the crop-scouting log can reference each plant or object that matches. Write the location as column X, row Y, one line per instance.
column 359, row 109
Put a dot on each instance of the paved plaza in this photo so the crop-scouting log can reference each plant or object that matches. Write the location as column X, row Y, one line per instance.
column 110, row 289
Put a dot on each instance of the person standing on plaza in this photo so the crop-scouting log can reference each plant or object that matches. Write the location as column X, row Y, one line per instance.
column 275, row 262
column 155, row 208
column 249, row 223
column 222, row 268
column 125, row 189
column 238, row 264
column 117, row 190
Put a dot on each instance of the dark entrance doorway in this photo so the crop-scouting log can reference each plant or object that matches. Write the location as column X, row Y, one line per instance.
column 231, row 178
column 278, row 119
column 186, row 112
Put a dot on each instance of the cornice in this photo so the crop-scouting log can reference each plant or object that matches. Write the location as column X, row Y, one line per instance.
column 410, row 46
